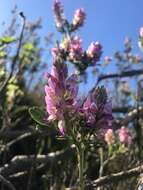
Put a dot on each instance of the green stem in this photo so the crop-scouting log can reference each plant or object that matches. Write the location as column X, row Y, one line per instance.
column 80, row 151
column 101, row 162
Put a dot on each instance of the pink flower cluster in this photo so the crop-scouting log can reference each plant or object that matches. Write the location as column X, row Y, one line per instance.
column 124, row 136
column 78, row 19
column 72, row 48
column 61, row 101
column 75, row 48
column 109, row 137
column 94, row 52
column 59, row 14
column 98, row 111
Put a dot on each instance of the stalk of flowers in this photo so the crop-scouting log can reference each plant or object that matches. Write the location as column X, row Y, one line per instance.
column 124, row 136
column 94, row 52
column 61, row 93
column 78, row 19
column 59, row 15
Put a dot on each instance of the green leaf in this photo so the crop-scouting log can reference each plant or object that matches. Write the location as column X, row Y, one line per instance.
column 7, row 39
column 3, row 54
column 29, row 47
column 38, row 115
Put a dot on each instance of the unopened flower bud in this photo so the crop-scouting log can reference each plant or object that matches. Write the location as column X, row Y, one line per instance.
column 61, row 126
column 109, row 137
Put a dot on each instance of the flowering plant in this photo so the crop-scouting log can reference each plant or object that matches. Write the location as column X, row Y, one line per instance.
column 78, row 120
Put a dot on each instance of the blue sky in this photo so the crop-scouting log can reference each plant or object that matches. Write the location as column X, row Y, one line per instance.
column 108, row 21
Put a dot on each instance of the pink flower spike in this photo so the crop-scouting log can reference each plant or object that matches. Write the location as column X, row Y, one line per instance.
column 60, row 92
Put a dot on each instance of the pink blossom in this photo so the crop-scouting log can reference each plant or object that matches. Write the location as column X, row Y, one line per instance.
column 94, row 51
column 79, row 17
column 141, row 32
column 124, row 136
column 75, row 48
column 109, row 137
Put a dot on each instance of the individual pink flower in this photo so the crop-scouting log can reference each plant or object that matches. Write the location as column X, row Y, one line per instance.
column 124, row 136
column 94, row 51
column 79, row 17
column 109, row 137
column 75, row 48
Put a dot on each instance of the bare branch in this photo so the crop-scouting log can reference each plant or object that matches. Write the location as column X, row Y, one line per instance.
column 7, row 183
column 23, row 162
column 116, row 177
column 16, row 57
column 120, row 75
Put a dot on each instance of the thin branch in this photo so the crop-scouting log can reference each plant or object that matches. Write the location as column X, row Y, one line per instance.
column 7, row 183
column 23, row 162
column 18, row 136
column 132, row 115
column 116, row 177
column 16, row 57
column 122, row 109
column 120, row 75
